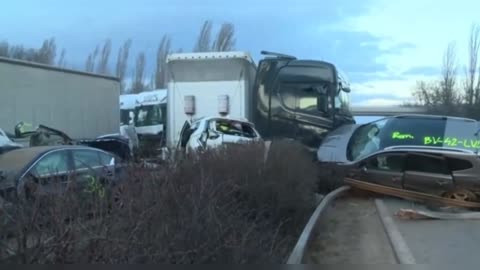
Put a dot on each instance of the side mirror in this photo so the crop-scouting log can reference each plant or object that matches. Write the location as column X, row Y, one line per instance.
column 346, row 89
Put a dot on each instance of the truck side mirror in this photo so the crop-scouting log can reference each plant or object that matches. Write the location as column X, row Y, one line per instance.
column 346, row 89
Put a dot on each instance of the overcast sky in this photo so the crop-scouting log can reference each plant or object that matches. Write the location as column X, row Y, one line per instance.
column 384, row 46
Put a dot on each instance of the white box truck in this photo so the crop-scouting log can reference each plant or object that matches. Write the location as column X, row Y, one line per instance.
column 207, row 85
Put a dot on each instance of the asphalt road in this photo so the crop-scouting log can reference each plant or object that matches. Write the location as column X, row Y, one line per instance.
column 433, row 241
column 350, row 232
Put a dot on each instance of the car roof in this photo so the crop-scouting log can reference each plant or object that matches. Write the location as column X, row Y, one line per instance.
column 432, row 116
column 428, row 149
column 16, row 160
column 207, row 118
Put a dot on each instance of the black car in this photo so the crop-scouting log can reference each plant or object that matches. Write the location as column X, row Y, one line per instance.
column 27, row 170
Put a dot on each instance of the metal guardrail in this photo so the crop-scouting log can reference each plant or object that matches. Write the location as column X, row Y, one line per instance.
column 298, row 253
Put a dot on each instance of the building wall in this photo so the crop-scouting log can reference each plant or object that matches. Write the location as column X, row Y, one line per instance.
column 81, row 105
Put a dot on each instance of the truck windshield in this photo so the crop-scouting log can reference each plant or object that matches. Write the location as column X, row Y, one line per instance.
column 149, row 115
column 414, row 131
column 126, row 116
column 342, row 101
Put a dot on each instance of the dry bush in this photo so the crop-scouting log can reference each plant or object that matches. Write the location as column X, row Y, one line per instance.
column 330, row 177
column 223, row 206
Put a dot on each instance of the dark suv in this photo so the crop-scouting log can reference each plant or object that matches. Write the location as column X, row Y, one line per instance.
column 450, row 173
column 430, row 154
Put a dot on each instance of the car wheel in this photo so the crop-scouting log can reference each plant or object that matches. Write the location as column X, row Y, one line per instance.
column 461, row 195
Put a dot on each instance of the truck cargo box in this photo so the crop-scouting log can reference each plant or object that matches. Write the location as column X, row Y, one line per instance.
column 80, row 104
column 207, row 85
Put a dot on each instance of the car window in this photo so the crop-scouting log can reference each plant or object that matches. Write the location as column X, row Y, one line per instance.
column 456, row 164
column 84, row 159
column 106, row 159
column 235, row 128
column 415, row 131
column 427, row 164
column 248, row 131
column 387, row 162
column 53, row 163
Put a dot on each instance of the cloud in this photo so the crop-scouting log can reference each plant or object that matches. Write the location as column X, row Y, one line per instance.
column 422, row 70
column 419, row 23
column 289, row 27
column 386, row 91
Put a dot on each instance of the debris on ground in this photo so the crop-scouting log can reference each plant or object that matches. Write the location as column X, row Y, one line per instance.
column 425, row 214
column 410, row 194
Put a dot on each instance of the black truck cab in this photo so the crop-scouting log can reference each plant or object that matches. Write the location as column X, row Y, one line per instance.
column 299, row 99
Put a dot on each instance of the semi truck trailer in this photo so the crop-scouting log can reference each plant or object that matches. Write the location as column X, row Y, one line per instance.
column 81, row 104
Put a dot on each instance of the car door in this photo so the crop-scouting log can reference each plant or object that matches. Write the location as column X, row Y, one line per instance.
column 49, row 174
column 383, row 169
column 427, row 173
column 212, row 138
column 93, row 169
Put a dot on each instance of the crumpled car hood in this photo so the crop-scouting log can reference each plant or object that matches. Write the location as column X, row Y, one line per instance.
column 334, row 145
column 6, row 144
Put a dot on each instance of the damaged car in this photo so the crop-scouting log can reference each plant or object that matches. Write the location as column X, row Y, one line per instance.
column 435, row 155
column 46, row 136
column 6, row 144
column 42, row 170
column 212, row 132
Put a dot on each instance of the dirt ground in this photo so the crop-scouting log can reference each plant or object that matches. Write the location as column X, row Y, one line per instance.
column 350, row 232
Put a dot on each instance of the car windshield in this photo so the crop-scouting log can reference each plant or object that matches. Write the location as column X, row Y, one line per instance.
column 148, row 115
column 415, row 131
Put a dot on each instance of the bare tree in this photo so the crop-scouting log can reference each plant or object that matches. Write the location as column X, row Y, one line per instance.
column 138, row 84
column 46, row 54
column 91, row 59
column 61, row 60
column 102, row 67
column 151, row 83
column 449, row 75
column 161, row 69
column 442, row 96
column 203, row 41
column 225, row 40
column 471, row 86
column 4, row 49
column 122, row 62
